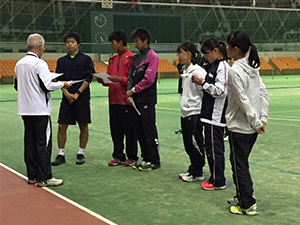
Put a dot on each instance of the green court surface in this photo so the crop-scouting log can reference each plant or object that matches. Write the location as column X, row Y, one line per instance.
column 126, row 196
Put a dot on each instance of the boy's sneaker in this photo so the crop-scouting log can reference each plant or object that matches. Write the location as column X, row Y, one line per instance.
column 115, row 162
column 192, row 178
column 183, row 174
column 31, row 181
column 233, row 202
column 60, row 159
column 50, row 182
column 149, row 166
column 129, row 162
column 80, row 159
column 138, row 164
column 209, row 187
column 251, row 211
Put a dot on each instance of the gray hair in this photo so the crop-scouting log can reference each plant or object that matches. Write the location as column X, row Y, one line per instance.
column 34, row 41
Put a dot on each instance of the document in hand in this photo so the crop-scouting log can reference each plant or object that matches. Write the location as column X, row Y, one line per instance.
column 55, row 75
column 75, row 81
column 104, row 76
column 134, row 106
column 186, row 75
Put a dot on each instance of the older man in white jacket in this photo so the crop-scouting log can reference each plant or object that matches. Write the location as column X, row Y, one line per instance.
column 33, row 82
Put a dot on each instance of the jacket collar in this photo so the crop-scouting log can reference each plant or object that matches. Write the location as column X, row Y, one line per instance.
column 32, row 54
column 145, row 50
column 78, row 53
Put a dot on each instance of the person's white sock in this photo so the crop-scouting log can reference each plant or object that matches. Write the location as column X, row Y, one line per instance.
column 61, row 151
column 81, row 151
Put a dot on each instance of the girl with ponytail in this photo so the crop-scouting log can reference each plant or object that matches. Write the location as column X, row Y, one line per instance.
column 246, row 116
column 213, row 110
column 190, row 107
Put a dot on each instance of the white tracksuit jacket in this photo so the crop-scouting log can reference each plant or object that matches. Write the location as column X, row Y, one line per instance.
column 191, row 97
column 248, row 102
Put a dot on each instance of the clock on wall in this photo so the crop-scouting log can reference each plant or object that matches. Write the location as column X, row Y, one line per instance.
column 101, row 37
column 100, row 20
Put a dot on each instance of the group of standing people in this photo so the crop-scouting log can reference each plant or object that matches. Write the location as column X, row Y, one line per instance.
column 213, row 95
column 133, row 82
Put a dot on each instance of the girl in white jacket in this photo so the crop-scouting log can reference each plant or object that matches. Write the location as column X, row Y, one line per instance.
column 246, row 116
column 190, row 106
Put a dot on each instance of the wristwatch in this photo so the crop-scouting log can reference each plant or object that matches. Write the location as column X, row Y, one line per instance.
column 78, row 92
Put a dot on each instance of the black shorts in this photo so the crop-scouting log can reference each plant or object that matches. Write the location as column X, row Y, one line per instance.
column 78, row 111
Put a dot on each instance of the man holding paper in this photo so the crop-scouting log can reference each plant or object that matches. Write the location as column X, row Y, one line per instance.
column 78, row 69
column 121, row 114
column 33, row 82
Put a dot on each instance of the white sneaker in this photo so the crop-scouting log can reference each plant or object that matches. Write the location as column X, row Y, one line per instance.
column 51, row 182
column 192, row 178
column 183, row 174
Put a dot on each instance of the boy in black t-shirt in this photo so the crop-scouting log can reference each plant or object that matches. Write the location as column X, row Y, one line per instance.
column 75, row 104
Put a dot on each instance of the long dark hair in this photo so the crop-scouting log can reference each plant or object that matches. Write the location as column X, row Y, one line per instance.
column 209, row 44
column 189, row 46
column 241, row 40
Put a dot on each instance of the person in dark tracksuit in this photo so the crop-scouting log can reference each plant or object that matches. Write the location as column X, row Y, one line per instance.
column 213, row 110
column 141, row 92
column 190, row 107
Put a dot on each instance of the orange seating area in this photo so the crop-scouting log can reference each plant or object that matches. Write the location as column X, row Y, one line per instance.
column 165, row 66
column 175, row 61
column 7, row 67
column 99, row 67
column 286, row 62
column 264, row 65
column 51, row 64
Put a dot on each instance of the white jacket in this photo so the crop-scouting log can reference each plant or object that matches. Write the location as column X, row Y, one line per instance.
column 191, row 97
column 33, row 82
column 248, row 102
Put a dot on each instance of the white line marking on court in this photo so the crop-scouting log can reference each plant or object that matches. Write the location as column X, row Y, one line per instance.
column 63, row 198
column 270, row 118
column 287, row 119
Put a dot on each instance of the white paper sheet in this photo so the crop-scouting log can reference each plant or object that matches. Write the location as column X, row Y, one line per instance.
column 75, row 81
column 134, row 106
column 55, row 75
column 186, row 75
column 104, row 76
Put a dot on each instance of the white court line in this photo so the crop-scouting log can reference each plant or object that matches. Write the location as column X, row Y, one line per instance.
column 287, row 119
column 63, row 198
column 270, row 118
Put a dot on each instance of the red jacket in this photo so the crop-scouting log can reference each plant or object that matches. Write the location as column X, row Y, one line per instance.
column 119, row 65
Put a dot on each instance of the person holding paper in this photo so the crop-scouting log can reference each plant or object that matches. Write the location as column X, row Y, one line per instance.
column 75, row 104
column 190, row 108
column 141, row 89
column 33, row 83
column 121, row 114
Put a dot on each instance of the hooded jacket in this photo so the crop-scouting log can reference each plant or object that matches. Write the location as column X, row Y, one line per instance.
column 248, row 102
column 191, row 97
